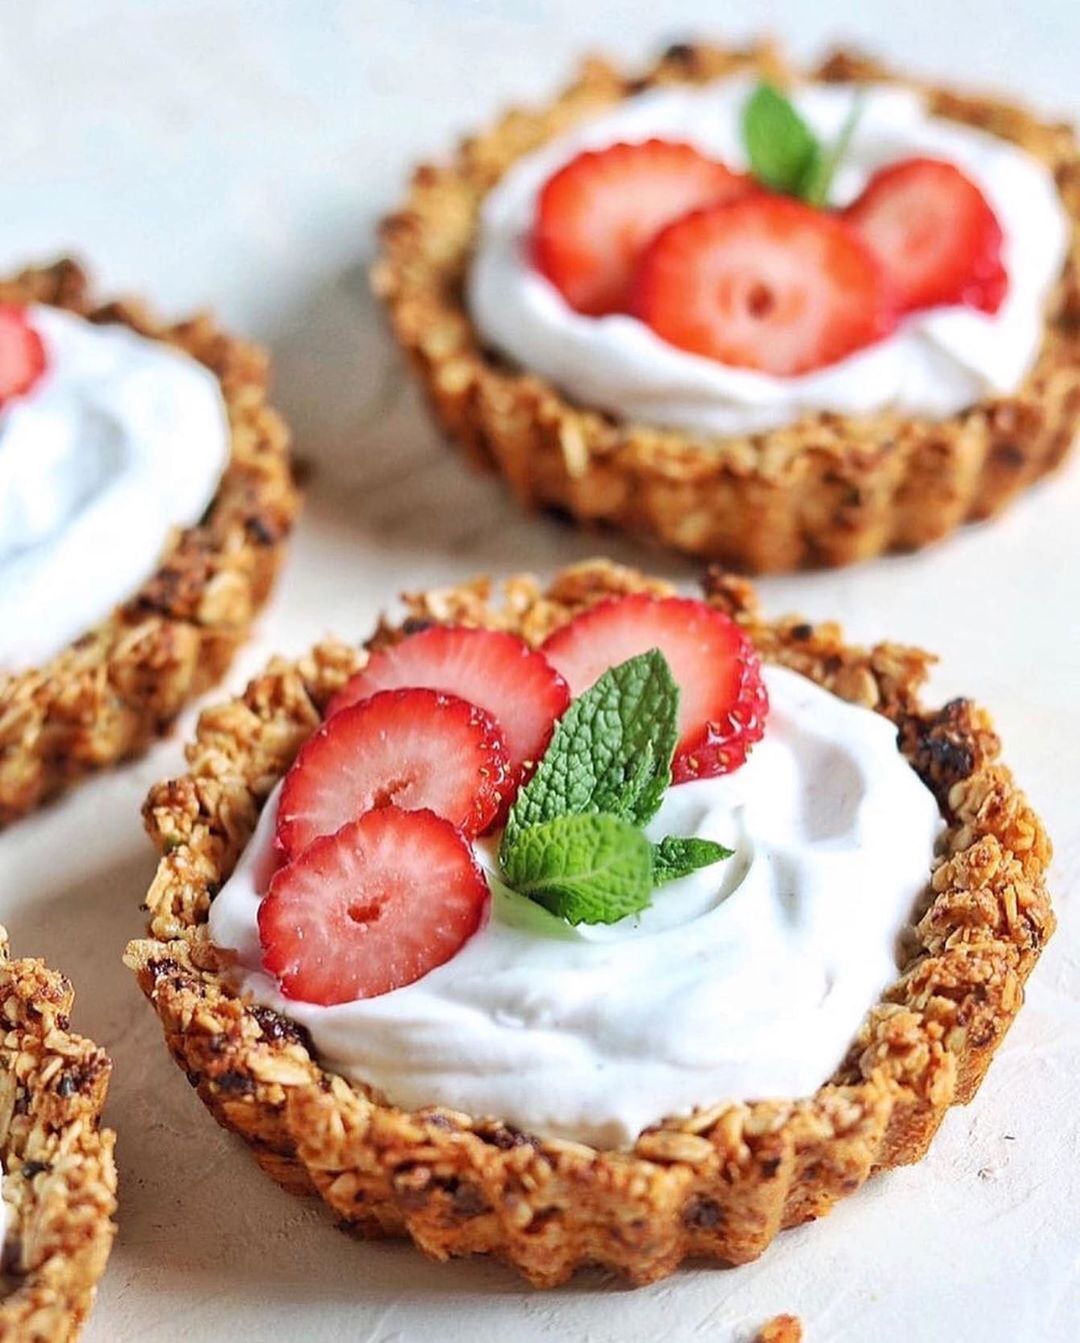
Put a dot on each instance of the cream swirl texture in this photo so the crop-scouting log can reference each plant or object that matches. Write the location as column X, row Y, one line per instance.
column 934, row 364
column 747, row 979
column 123, row 439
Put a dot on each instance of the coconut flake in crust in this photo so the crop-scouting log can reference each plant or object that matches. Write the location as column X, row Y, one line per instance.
column 826, row 490
column 114, row 690
column 717, row 1184
column 59, row 1177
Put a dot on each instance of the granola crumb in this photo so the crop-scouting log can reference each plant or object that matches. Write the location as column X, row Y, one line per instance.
column 780, row 1329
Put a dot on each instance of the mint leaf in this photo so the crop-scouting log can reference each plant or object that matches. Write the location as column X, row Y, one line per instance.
column 782, row 149
column 585, row 869
column 573, row 841
column 675, row 857
column 611, row 752
column 818, row 182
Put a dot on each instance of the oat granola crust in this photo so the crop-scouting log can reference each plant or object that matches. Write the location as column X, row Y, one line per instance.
column 59, row 1176
column 718, row 1184
column 110, row 693
column 827, row 490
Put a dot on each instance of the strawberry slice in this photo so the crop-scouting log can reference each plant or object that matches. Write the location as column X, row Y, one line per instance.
column 411, row 748
column 935, row 234
column 22, row 353
column 371, row 908
column 722, row 698
column 765, row 283
column 499, row 672
column 596, row 215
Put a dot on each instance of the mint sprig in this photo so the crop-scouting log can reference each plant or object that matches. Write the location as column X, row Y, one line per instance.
column 677, row 857
column 584, row 868
column 611, row 752
column 574, row 839
column 785, row 153
column 819, row 178
column 781, row 146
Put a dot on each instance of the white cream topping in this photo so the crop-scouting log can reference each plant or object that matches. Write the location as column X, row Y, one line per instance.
column 936, row 362
column 747, row 979
column 121, row 440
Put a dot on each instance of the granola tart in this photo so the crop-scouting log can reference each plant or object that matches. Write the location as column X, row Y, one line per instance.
column 718, row 1184
column 826, row 490
column 59, row 1176
column 108, row 695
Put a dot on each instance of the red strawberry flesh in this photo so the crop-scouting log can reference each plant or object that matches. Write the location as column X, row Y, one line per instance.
column 412, row 749
column 22, row 353
column 722, row 698
column 383, row 901
column 597, row 213
column 766, row 283
column 935, row 234
column 498, row 671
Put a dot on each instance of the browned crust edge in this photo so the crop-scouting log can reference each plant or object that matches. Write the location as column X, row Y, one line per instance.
column 825, row 491
column 107, row 696
column 59, row 1174
column 719, row 1184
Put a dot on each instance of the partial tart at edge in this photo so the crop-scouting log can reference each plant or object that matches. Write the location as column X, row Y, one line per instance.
column 109, row 694
column 59, row 1174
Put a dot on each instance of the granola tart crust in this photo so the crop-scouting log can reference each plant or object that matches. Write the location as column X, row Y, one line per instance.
column 827, row 490
column 60, row 1177
column 114, row 690
column 718, row 1184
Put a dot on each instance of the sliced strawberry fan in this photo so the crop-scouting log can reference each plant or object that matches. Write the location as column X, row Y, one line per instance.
column 716, row 265
column 378, row 884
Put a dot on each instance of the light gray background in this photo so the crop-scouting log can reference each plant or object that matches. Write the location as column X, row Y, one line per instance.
column 237, row 154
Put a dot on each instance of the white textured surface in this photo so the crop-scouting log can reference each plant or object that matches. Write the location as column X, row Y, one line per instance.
column 236, row 153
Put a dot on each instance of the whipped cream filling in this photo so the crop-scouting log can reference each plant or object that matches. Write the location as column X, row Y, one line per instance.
column 934, row 364
column 747, row 979
column 122, row 439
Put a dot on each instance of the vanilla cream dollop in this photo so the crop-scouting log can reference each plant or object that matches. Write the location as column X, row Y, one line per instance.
column 936, row 363
column 747, row 979
column 123, row 439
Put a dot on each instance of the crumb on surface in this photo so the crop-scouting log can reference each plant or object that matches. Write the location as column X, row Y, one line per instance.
column 781, row 1329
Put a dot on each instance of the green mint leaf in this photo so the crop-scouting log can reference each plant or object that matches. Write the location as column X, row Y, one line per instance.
column 819, row 179
column 781, row 148
column 674, row 857
column 585, row 869
column 611, row 752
